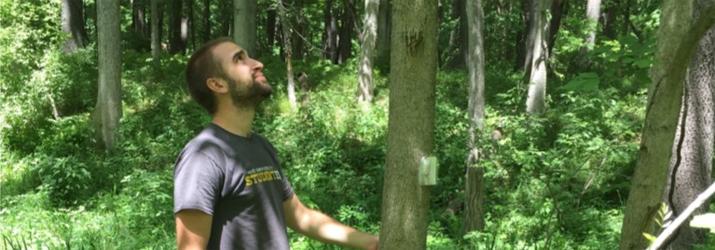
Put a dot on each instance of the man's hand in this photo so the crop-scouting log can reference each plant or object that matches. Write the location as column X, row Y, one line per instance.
column 321, row 227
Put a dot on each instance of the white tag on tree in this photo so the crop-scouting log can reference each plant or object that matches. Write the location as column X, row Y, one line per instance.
column 428, row 171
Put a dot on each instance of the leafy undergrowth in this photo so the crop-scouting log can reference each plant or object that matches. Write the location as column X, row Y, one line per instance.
column 558, row 181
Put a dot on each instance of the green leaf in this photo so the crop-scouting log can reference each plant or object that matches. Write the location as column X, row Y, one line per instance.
column 584, row 82
column 649, row 237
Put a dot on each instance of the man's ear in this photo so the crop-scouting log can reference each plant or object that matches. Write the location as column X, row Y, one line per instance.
column 217, row 85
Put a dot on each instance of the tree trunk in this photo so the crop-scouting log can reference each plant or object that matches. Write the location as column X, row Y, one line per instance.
column 347, row 28
column 678, row 37
column 244, row 24
column 177, row 27
column 330, row 35
column 192, row 24
column 226, row 17
column 382, row 60
column 559, row 8
column 536, row 98
column 299, row 30
column 368, row 36
column 474, row 190
column 405, row 203
column 109, row 100
column 691, row 162
column 609, row 22
column 155, row 38
column 288, row 53
column 139, row 26
column 593, row 11
column 207, row 21
column 270, row 28
column 530, row 8
column 73, row 24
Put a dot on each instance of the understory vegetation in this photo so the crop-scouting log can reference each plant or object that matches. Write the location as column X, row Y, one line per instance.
column 558, row 181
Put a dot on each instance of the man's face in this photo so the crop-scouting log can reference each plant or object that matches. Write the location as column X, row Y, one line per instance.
column 244, row 75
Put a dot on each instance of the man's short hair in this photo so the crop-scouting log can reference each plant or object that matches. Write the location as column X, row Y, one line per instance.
column 201, row 66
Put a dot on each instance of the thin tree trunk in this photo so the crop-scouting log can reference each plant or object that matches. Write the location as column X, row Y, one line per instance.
column 530, row 8
column 691, row 162
column 536, row 98
column 347, row 28
column 678, row 38
column 139, row 23
column 177, row 34
column 368, row 37
column 109, row 101
column 474, row 191
column 405, row 203
column 288, row 53
column 226, row 17
column 609, row 22
column 593, row 11
column 244, row 24
column 73, row 24
column 299, row 29
column 155, row 30
column 559, row 8
column 271, row 28
column 207, row 21
column 330, row 35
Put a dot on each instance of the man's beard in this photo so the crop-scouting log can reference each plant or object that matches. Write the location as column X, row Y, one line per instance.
column 248, row 97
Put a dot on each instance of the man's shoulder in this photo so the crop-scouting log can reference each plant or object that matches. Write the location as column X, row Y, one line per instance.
column 208, row 143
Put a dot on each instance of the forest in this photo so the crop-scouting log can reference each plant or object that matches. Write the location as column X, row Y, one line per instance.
column 545, row 124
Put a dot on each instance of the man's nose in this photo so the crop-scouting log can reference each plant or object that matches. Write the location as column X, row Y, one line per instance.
column 257, row 64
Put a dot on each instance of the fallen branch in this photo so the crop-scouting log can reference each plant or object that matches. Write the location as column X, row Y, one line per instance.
column 662, row 237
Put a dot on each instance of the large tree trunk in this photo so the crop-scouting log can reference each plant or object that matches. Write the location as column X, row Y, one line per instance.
column 330, row 34
column 155, row 30
column 474, row 190
column 382, row 60
column 678, row 37
column 244, row 24
column 405, row 203
column 73, row 24
column 691, row 162
column 368, row 36
column 536, row 98
column 109, row 100
column 347, row 28
column 178, row 27
column 288, row 53
column 593, row 11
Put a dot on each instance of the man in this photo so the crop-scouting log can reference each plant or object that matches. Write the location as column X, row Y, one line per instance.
column 229, row 189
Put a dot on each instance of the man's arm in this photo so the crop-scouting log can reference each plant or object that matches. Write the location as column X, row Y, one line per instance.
column 321, row 227
column 193, row 228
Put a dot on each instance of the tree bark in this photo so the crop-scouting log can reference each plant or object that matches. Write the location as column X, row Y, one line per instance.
column 593, row 12
column 287, row 53
column 109, row 100
column 244, row 24
column 155, row 30
column 405, row 203
column 347, row 28
column 330, row 35
column 139, row 20
column 530, row 8
column 382, row 60
column 226, row 17
column 691, row 162
column 678, row 37
column 178, row 34
column 207, row 21
column 368, row 37
column 536, row 98
column 559, row 8
column 271, row 28
column 73, row 24
column 475, row 188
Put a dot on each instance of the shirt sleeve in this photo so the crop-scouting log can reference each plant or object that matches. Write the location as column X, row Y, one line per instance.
column 197, row 183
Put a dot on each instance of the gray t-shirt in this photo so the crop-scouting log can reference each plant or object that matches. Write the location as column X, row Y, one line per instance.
column 237, row 180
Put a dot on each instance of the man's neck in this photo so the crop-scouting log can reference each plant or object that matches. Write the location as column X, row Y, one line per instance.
column 235, row 120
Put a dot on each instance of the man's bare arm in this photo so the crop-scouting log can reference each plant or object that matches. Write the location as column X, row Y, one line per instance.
column 193, row 228
column 319, row 226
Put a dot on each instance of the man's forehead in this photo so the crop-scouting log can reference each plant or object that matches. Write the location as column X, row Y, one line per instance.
column 225, row 50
